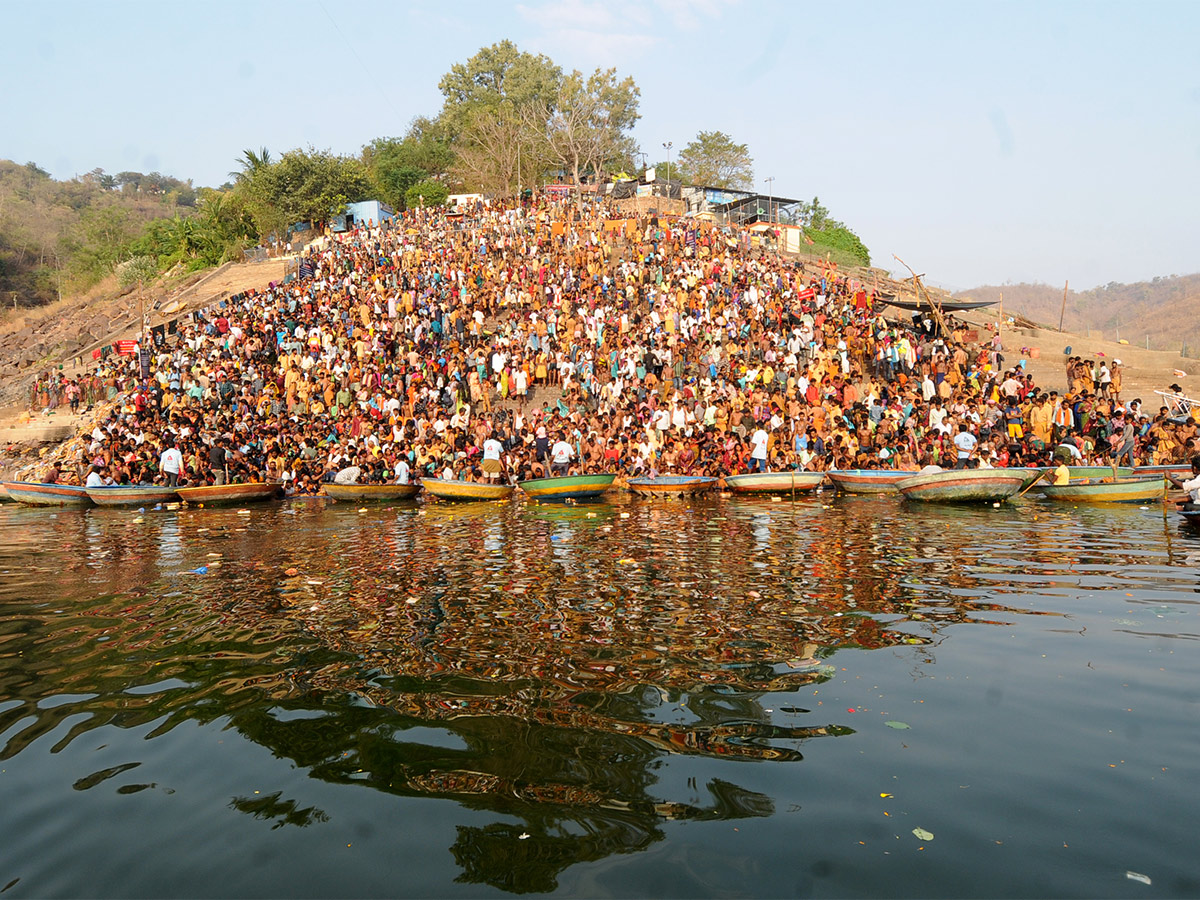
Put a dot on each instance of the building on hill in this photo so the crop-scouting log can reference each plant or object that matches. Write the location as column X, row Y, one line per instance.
column 367, row 212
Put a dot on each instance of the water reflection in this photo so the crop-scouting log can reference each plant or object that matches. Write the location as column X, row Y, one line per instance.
column 536, row 663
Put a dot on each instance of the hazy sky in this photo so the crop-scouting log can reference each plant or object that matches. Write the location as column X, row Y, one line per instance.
column 982, row 142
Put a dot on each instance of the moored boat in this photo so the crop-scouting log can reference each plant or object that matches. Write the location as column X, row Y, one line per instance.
column 229, row 493
column 33, row 493
column 1130, row 489
column 671, row 485
column 359, row 492
column 774, row 482
column 965, row 485
column 568, row 487
column 868, row 481
column 1097, row 471
column 132, row 494
column 445, row 489
column 1179, row 470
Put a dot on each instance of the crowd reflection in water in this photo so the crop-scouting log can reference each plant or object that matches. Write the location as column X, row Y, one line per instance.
column 559, row 653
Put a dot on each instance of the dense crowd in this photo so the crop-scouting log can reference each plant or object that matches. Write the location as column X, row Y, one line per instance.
column 556, row 338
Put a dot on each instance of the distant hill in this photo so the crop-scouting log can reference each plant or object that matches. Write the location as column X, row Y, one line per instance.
column 1165, row 310
column 64, row 236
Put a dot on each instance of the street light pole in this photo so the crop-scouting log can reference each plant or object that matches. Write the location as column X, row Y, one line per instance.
column 667, row 146
column 770, row 198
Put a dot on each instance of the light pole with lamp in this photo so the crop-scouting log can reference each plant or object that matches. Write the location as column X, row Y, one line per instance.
column 770, row 198
column 667, row 146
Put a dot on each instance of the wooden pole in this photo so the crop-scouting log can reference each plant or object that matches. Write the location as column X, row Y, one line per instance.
column 1063, row 313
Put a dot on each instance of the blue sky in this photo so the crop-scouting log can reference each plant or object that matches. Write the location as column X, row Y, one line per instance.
column 981, row 142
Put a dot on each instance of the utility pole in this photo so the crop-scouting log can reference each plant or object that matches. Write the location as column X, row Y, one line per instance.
column 770, row 198
column 1062, row 314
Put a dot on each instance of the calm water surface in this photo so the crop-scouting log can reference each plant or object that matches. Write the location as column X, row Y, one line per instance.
column 715, row 698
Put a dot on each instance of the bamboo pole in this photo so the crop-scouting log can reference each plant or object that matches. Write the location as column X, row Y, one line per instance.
column 1063, row 313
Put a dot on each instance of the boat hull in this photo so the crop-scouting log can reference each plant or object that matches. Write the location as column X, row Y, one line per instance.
column 216, row 494
column 568, row 487
column 466, row 490
column 964, row 485
column 1134, row 489
column 868, row 481
column 774, row 482
column 132, row 495
column 671, row 485
column 1098, row 471
column 1179, row 470
column 36, row 494
column 361, row 492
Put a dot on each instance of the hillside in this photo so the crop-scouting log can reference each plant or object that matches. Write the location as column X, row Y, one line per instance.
column 59, row 238
column 1161, row 312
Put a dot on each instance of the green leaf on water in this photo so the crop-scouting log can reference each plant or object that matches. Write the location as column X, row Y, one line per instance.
column 922, row 834
column 892, row 723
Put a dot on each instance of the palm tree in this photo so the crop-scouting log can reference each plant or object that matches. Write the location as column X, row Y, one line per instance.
column 251, row 163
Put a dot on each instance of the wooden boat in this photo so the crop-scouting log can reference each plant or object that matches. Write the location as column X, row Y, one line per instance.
column 568, row 487
column 5, row 497
column 132, row 494
column 868, row 481
column 33, row 493
column 215, row 494
column 1191, row 514
column 1130, row 489
column 1096, row 471
column 671, row 485
column 1179, row 470
column 965, row 485
column 774, row 482
column 444, row 489
column 359, row 492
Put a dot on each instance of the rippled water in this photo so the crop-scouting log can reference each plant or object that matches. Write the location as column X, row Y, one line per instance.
column 664, row 698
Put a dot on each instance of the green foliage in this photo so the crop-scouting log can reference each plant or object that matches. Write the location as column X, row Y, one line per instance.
column 838, row 237
column 392, row 165
column 714, row 160
column 587, row 128
column 138, row 269
column 219, row 233
column 97, row 242
column 304, row 186
column 496, row 76
column 250, row 163
column 426, row 193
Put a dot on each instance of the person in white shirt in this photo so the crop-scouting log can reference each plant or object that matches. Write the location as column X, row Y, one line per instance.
column 561, row 455
column 171, row 463
column 1191, row 485
column 758, row 451
column 94, row 478
column 965, row 442
column 401, row 471
column 492, row 465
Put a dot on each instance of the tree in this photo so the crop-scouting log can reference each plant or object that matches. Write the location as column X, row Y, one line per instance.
column 304, row 186
column 587, row 124
column 496, row 75
column 714, row 160
column 250, row 163
column 426, row 193
column 498, row 151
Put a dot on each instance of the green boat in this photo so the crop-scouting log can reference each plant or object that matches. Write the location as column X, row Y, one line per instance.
column 1131, row 489
column 568, row 487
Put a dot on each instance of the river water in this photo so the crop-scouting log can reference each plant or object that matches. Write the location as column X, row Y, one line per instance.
column 721, row 697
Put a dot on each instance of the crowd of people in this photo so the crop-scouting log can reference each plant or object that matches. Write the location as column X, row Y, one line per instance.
column 516, row 342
